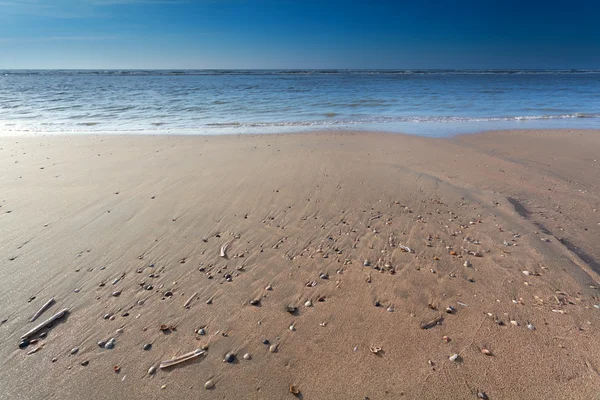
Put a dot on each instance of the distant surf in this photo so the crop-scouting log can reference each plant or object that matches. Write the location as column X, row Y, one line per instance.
column 429, row 102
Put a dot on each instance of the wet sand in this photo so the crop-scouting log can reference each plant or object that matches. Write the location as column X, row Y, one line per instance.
column 502, row 227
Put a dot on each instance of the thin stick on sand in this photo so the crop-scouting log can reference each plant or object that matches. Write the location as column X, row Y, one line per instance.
column 181, row 358
column 187, row 303
column 47, row 322
column 41, row 310
column 432, row 323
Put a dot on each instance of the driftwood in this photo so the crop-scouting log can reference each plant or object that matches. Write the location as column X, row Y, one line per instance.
column 432, row 323
column 47, row 322
column 187, row 303
column 182, row 358
column 41, row 310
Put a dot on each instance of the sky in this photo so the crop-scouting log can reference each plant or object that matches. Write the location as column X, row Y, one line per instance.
column 299, row 34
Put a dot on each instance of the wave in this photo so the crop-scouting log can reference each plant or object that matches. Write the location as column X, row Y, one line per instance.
column 293, row 72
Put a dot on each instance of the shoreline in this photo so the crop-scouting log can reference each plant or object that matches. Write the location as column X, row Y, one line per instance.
column 502, row 226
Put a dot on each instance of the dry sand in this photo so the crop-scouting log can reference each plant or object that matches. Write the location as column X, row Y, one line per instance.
column 79, row 213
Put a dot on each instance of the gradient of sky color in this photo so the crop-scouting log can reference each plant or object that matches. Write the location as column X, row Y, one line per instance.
column 145, row 34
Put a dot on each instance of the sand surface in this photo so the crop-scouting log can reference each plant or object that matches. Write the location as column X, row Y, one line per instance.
column 145, row 218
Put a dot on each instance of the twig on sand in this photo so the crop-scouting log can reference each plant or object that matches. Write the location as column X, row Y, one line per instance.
column 432, row 323
column 181, row 358
column 47, row 322
column 187, row 303
column 41, row 310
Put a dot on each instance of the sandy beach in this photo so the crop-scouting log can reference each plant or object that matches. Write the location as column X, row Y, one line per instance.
column 338, row 265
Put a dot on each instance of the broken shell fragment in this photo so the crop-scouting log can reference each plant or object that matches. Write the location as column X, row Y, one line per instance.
column 486, row 352
column 294, row 390
column 454, row 357
column 375, row 349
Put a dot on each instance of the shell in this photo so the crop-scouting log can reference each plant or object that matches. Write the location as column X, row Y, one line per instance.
column 454, row 357
column 116, row 368
column 486, row 352
column 375, row 349
column 164, row 327
column 294, row 390
column 209, row 385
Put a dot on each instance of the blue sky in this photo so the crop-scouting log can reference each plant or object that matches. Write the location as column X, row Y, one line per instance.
column 81, row 34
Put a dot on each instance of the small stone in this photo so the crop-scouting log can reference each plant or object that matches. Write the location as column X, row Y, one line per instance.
column 377, row 303
column 366, row 263
column 102, row 343
column 308, row 303
column 24, row 343
column 269, row 287
column 201, row 332
column 110, row 344
column 229, row 358
column 247, row 356
column 255, row 302
column 274, row 348
column 482, row 395
column 292, row 328
column 120, row 330
column 454, row 357
column 84, row 363
column 450, row 310
column 147, row 346
column 116, row 293
column 291, row 309
column 74, row 350
column 209, row 385
column 324, row 276
column 390, row 309
column 266, row 341
column 468, row 264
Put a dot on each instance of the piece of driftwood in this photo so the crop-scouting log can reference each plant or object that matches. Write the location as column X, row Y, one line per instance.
column 41, row 310
column 181, row 358
column 47, row 322
column 432, row 323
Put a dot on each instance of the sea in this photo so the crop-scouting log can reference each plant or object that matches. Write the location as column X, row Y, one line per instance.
column 424, row 102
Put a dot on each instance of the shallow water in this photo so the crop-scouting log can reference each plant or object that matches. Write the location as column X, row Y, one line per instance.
column 432, row 103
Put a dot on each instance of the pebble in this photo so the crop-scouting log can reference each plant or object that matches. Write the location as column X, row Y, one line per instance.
column 110, row 344
column 291, row 309
column 324, row 276
column 266, row 341
column 255, row 302
column 468, row 264
column 390, row 309
column 209, row 385
column 274, row 348
column 102, row 343
column 147, row 346
column 366, row 263
column 308, row 303
column 292, row 328
column 116, row 293
column 151, row 370
column 74, row 350
column 229, row 357
column 24, row 343
column 269, row 287
column 247, row 356
column 454, row 357
column 201, row 332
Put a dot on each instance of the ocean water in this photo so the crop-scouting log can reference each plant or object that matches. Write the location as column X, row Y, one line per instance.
column 432, row 103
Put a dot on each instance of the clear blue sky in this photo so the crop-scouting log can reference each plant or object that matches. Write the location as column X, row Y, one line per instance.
column 299, row 34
